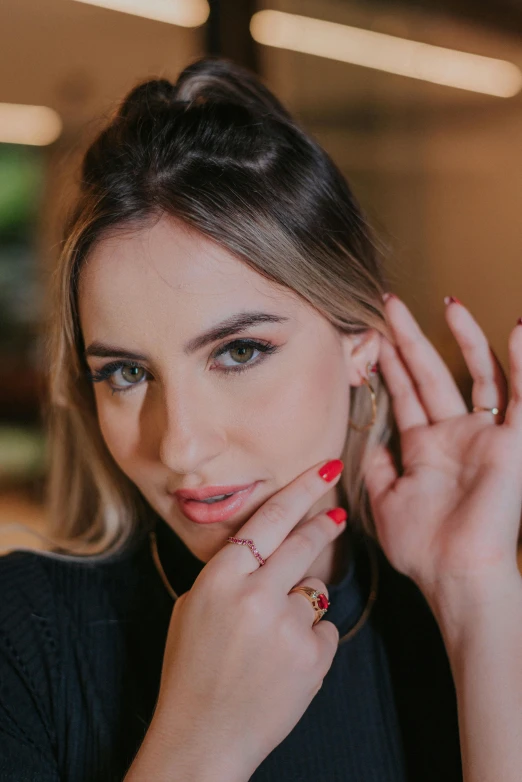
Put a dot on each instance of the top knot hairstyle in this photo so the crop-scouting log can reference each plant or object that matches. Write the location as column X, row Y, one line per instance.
column 219, row 152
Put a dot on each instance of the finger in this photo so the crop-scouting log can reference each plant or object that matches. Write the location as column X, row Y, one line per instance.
column 514, row 409
column 380, row 474
column 275, row 519
column 327, row 636
column 489, row 379
column 407, row 407
column 289, row 563
column 434, row 382
column 180, row 601
column 301, row 606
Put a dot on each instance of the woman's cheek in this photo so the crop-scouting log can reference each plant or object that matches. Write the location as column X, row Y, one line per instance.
column 119, row 426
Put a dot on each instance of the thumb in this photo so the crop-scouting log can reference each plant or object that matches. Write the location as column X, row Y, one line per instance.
column 380, row 473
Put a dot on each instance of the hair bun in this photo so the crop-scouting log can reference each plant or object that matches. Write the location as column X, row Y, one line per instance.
column 217, row 80
column 154, row 92
column 208, row 81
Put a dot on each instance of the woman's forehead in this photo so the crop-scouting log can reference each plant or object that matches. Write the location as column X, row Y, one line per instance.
column 171, row 255
column 166, row 274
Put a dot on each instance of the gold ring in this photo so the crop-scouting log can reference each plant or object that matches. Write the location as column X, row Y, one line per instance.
column 318, row 600
column 492, row 410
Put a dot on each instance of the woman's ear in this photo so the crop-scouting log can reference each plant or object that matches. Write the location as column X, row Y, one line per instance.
column 361, row 350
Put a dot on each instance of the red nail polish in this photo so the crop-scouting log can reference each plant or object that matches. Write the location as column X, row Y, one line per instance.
column 337, row 514
column 374, row 368
column 451, row 300
column 519, row 322
column 331, row 470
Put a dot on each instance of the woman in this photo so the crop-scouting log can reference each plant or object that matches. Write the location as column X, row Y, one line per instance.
column 208, row 225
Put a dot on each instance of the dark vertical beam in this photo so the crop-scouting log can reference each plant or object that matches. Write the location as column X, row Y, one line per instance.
column 228, row 33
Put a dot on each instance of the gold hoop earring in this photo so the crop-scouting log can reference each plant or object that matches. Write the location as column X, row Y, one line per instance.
column 370, row 368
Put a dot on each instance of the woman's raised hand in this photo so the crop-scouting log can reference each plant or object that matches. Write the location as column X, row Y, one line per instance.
column 243, row 659
column 450, row 520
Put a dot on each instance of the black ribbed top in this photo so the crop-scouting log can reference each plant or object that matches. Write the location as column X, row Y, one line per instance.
column 81, row 647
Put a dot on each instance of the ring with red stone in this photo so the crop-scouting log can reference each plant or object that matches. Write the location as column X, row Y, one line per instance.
column 318, row 600
column 251, row 545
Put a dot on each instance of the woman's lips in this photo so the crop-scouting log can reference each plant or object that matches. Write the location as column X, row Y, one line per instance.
column 202, row 513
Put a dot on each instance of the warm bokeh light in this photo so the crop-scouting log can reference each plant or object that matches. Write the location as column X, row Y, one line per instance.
column 387, row 53
column 35, row 125
column 185, row 13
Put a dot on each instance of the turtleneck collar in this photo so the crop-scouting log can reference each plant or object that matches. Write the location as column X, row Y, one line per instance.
column 347, row 596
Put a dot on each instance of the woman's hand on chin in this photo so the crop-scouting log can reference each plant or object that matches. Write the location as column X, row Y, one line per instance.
column 450, row 518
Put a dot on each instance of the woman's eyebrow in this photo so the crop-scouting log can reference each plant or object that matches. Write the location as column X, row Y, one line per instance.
column 232, row 325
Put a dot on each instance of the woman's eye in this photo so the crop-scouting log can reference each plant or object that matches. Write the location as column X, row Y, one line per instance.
column 242, row 353
column 131, row 374
column 120, row 376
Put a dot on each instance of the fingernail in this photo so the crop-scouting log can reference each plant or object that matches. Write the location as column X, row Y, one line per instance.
column 337, row 514
column 519, row 322
column 331, row 470
column 386, row 296
column 451, row 300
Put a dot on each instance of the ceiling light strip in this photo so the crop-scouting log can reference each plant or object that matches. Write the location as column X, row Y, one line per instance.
column 400, row 56
column 185, row 13
column 33, row 125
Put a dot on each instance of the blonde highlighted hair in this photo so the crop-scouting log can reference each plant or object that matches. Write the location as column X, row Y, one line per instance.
column 219, row 152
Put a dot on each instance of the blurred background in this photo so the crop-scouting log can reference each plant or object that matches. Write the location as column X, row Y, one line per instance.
column 419, row 103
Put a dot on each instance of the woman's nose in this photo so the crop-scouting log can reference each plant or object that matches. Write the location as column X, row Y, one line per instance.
column 191, row 432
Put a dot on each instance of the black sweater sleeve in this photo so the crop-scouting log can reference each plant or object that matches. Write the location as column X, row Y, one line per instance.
column 28, row 659
column 422, row 681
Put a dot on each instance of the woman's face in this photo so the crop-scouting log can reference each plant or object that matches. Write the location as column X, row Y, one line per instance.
column 171, row 415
